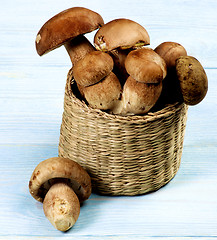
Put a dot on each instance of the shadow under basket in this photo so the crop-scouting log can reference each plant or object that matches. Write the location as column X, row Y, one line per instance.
column 124, row 155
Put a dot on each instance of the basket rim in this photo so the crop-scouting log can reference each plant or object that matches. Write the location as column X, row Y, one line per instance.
column 150, row 116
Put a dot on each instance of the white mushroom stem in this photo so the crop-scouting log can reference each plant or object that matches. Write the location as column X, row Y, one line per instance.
column 61, row 206
column 78, row 47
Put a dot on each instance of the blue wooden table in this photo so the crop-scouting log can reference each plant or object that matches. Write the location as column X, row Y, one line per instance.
column 31, row 106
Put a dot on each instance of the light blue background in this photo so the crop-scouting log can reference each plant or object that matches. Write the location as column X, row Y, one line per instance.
column 31, row 105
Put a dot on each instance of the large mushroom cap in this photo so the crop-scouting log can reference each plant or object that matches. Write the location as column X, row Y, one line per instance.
column 92, row 68
column 120, row 33
column 145, row 65
column 55, row 169
column 66, row 25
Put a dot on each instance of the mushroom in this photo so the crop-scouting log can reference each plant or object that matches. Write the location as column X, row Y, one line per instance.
column 193, row 79
column 61, row 184
column 96, row 81
column 145, row 65
column 144, row 85
column 63, row 28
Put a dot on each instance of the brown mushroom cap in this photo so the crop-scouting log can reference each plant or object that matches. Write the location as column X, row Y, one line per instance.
column 53, row 169
column 120, row 33
column 66, row 25
column 192, row 78
column 105, row 94
column 145, row 65
column 92, row 68
column 170, row 51
column 139, row 98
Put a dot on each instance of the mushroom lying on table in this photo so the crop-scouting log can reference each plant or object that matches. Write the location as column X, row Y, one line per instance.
column 63, row 28
column 61, row 184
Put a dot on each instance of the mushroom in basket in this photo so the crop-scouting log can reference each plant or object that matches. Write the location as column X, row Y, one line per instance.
column 144, row 85
column 96, row 81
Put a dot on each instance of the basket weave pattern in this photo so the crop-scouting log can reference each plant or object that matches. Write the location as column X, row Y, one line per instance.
column 128, row 155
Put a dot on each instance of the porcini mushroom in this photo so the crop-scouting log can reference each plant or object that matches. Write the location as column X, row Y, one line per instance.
column 96, row 81
column 193, row 79
column 61, row 184
column 120, row 33
column 144, row 85
column 64, row 27
column 145, row 65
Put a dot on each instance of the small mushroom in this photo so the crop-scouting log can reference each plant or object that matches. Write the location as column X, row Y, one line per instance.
column 119, row 56
column 193, row 79
column 138, row 97
column 96, row 81
column 66, row 26
column 61, row 184
column 144, row 85
column 120, row 33
column 145, row 65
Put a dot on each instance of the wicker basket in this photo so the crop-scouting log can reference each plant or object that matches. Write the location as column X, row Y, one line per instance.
column 129, row 155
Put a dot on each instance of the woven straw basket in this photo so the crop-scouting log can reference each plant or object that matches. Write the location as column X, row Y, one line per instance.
column 129, row 155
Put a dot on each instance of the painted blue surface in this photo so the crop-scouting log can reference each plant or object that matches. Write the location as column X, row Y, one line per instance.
column 31, row 103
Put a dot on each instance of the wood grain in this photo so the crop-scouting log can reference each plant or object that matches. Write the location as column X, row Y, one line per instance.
column 31, row 103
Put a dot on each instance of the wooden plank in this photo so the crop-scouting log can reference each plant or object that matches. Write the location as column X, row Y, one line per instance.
column 112, row 237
